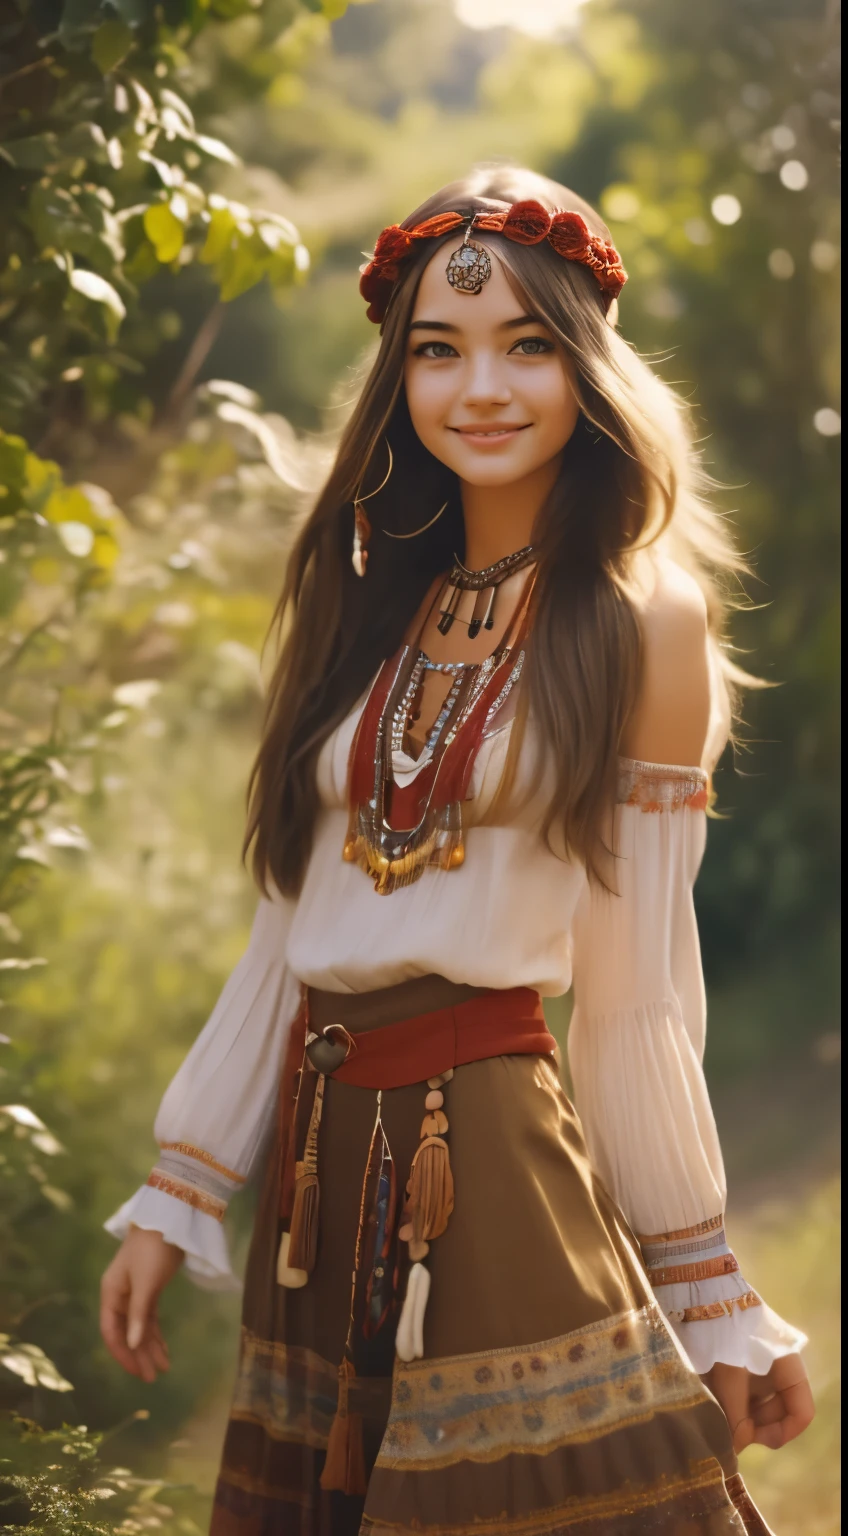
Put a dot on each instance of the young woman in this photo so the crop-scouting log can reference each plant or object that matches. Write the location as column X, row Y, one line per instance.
column 484, row 776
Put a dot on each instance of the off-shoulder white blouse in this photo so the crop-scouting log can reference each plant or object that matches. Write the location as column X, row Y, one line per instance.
column 514, row 914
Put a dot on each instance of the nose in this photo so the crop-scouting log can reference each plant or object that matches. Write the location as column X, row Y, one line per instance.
column 485, row 382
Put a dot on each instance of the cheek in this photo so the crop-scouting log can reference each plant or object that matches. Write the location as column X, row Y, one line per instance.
column 428, row 396
column 554, row 404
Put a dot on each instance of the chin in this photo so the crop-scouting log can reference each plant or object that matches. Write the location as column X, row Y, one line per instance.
column 502, row 472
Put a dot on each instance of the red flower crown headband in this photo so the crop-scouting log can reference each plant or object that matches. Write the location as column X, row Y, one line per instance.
column 527, row 223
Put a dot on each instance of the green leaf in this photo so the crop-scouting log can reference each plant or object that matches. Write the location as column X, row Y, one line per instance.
column 216, row 148
column 33, row 154
column 79, row 224
column 134, row 12
column 31, row 1364
column 222, row 227
column 243, row 270
column 164, row 231
column 85, row 141
column 110, row 45
column 77, row 16
column 169, row 98
column 68, row 504
column 92, row 286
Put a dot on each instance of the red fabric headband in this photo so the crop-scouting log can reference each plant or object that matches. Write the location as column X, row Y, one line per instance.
column 527, row 223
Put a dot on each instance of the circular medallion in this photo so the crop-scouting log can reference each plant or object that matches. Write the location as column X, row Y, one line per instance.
column 469, row 267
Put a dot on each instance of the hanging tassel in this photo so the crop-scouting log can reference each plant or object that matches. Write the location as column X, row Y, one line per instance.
column 303, row 1231
column 430, row 1189
column 344, row 1467
column 303, row 1235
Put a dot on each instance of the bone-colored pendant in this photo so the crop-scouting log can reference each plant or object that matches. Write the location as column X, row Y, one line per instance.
column 292, row 1279
column 409, row 1342
column 440, row 1079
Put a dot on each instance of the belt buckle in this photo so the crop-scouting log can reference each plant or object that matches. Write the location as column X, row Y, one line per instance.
column 327, row 1053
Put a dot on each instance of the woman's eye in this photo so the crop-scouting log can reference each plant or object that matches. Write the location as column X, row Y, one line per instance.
column 531, row 346
column 435, row 349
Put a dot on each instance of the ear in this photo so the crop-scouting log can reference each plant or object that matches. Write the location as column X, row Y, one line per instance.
column 612, row 314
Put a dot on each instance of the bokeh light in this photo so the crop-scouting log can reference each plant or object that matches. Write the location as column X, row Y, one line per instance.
column 781, row 264
column 794, row 175
column 537, row 18
column 828, row 422
column 783, row 138
column 726, row 209
column 824, row 255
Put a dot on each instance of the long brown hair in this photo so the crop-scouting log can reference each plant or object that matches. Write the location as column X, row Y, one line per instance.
column 629, row 480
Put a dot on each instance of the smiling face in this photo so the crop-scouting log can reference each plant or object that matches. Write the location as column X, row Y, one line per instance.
column 488, row 387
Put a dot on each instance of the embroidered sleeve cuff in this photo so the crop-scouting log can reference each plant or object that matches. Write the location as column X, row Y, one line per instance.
column 195, row 1177
column 200, row 1236
column 713, row 1310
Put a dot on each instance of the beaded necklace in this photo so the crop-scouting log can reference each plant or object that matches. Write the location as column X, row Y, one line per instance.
column 395, row 832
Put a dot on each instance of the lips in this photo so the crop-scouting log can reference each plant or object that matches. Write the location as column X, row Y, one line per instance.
column 503, row 429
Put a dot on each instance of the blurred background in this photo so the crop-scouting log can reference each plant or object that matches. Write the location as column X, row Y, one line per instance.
column 186, row 194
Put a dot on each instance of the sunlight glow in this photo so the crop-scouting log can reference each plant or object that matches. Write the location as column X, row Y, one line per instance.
column 538, row 18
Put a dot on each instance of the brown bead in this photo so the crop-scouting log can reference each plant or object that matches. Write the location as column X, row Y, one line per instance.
column 405, row 1232
column 435, row 1124
column 418, row 1250
column 457, row 857
column 434, row 1100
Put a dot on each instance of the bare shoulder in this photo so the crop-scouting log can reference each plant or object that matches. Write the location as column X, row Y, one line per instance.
column 670, row 717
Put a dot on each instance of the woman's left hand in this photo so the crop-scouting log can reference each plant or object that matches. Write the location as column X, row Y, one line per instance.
column 763, row 1410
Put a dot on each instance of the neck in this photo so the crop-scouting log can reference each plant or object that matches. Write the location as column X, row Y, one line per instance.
column 499, row 519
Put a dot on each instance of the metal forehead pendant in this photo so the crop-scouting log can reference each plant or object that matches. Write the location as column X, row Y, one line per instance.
column 469, row 267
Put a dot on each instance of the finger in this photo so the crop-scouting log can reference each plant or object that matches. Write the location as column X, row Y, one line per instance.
column 773, row 1436
column 800, row 1409
column 731, row 1386
column 770, row 1411
column 788, row 1377
column 113, row 1333
column 160, row 1340
column 146, row 1365
column 796, row 1415
column 114, row 1291
column 744, row 1434
column 140, row 1313
column 786, row 1372
column 159, row 1354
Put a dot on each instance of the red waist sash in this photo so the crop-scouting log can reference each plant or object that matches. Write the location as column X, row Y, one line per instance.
column 497, row 1023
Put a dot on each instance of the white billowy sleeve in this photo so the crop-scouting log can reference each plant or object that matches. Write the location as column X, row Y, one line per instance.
column 636, row 1046
column 216, row 1113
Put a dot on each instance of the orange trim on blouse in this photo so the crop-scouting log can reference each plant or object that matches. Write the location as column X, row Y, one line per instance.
column 187, row 1150
column 198, row 1198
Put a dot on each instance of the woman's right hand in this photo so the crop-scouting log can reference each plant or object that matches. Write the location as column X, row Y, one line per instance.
column 129, row 1293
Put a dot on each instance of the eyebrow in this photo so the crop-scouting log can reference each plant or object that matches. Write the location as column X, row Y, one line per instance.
column 442, row 325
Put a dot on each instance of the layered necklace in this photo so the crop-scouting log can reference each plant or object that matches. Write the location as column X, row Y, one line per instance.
column 395, row 832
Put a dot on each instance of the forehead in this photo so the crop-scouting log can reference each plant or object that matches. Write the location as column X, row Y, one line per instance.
column 437, row 300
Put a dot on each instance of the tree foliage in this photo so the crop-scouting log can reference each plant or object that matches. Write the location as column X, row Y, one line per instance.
column 106, row 180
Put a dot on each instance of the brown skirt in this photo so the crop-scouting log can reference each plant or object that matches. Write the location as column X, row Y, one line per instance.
column 552, row 1397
